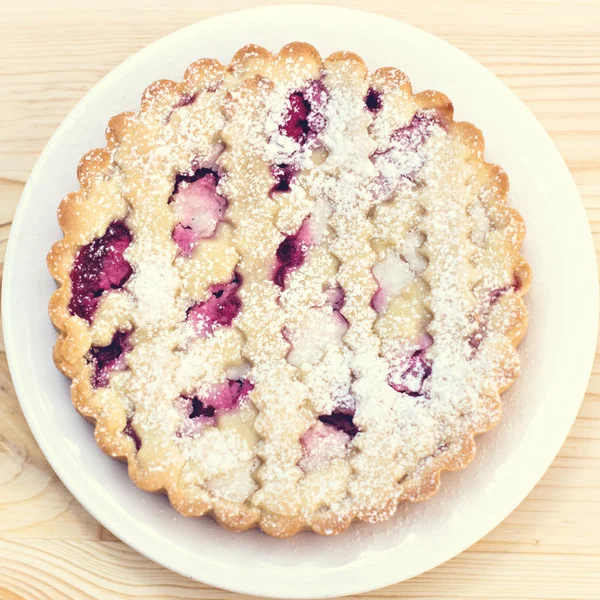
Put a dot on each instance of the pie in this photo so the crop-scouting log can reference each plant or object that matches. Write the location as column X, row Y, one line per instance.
column 290, row 291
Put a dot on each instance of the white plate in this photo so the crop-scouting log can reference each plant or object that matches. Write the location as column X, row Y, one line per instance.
column 557, row 353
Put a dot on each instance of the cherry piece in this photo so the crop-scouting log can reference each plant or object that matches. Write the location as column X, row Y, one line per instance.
column 341, row 421
column 219, row 310
column 109, row 358
column 317, row 96
column 204, row 409
column 239, row 388
column 411, row 374
column 295, row 124
column 379, row 300
column 305, row 117
column 199, row 208
column 321, row 444
column 192, row 176
column 291, row 253
column 98, row 267
column 199, row 409
column 283, row 175
column 373, row 100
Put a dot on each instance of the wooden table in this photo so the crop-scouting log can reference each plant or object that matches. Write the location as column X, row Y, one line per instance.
column 547, row 51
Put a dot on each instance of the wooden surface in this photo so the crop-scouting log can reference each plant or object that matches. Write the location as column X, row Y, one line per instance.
column 51, row 53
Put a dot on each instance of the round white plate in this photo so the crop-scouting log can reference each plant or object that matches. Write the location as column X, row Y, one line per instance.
column 540, row 408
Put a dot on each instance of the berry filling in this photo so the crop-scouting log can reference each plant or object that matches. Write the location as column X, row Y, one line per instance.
column 401, row 162
column 317, row 97
column 291, row 253
column 336, row 297
column 416, row 133
column 98, row 267
column 200, row 409
column 295, row 124
column 479, row 334
column 131, row 432
column 204, row 409
column 305, row 116
column 283, row 174
column 303, row 120
column 340, row 421
column 109, row 358
column 409, row 373
column 198, row 208
column 219, row 310
column 496, row 294
column 324, row 442
column 185, row 100
column 373, row 100
column 379, row 300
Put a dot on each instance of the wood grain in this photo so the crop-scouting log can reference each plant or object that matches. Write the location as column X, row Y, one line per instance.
column 51, row 53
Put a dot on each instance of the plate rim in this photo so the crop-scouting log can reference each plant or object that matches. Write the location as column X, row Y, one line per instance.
column 9, row 326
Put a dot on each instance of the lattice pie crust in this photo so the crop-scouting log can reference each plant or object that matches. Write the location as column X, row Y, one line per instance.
column 290, row 291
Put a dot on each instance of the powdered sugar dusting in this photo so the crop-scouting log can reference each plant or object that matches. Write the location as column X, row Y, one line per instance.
column 322, row 296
